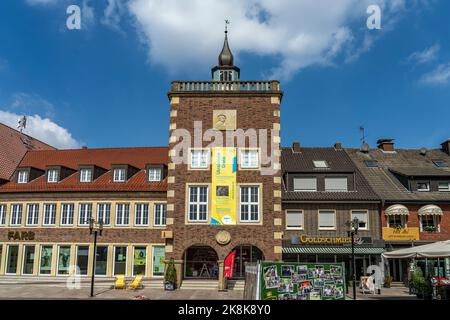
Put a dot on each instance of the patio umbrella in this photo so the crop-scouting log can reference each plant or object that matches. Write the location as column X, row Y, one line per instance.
column 439, row 249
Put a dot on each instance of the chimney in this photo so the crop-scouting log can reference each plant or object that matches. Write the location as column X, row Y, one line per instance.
column 296, row 146
column 386, row 144
column 338, row 145
column 446, row 146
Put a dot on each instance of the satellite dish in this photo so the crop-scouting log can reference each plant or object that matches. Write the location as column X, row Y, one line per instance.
column 365, row 147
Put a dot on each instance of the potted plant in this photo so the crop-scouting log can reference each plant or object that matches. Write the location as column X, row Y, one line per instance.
column 170, row 278
column 421, row 286
column 387, row 281
column 430, row 228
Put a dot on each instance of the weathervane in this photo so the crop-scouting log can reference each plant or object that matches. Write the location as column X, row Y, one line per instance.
column 227, row 22
column 22, row 123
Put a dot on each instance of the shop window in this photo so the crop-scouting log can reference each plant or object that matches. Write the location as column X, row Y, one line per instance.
column 2, row 214
column 201, row 262
column 198, row 203
column 158, row 260
column 397, row 221
column 83, row 259
column 104, row 213
column 11, row 259
column 327, row 219
column 49, row 214
column 45, row 266
column 139, row 260
column 141, row 214
column 120, row 260
column 28, row 259
column 67, row 210
column 429, row 223
column 294, row 220
column 16, row 215
column 101, row 262
column 85, row 213
column 363, row 218
column 249, row 204
column 64, row 260
column 160, row 214
column 122, row 214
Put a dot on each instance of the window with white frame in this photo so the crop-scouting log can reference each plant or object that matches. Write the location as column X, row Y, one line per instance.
column 198, row 203
column 122, row 214
column 49, row 214
column 22, row 176
column 429, row 223
column 308, row 184
column 104, row 213
column 249, row 158
column 84, row 213
column 16, row 215
column 333, row 184
column 160, row 214
column 119, row 175
column 397, row 221
column 423, row 186
column 141, row 214
column 444, row 186
column 52, row 175
column 32, row 214
column 154, row 174
column 249, row 203
column 320, row 164
column 327, row 219
column 363, row 218
column 2, row 214
column 294, row 219
column 86, row 175
column 67, row 213
column 199, row 158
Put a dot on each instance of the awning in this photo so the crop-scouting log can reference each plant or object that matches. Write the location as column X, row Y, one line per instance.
column 397, row 209
column 332, row 250
column 432, row 250
column 430, row 210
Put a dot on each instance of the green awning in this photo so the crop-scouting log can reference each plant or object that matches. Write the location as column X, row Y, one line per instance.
column 332, row 250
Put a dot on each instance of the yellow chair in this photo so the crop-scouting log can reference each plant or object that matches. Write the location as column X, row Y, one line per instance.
column 136, row 283
column 120, row 282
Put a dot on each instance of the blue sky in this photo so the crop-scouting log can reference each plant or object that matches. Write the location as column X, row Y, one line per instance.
column 106, row 84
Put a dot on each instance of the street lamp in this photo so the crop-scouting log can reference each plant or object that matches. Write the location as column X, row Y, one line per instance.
column 95, row 228
column 353, row 227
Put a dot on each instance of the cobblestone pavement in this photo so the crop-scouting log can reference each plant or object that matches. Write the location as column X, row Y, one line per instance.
column 386, row 294
column 60, row 291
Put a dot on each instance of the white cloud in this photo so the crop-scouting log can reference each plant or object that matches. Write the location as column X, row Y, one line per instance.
column 41, row 2
column 188, row 35
column 43, row 129
column 426, row 55
column 30, row 102
column 439, row 76
column 113, row 13
column 87, row 15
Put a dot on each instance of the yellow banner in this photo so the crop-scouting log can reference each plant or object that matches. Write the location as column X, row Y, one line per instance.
column 401, row 234
column 223, row 204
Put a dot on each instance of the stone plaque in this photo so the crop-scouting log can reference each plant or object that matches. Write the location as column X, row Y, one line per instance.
column 223, row 237
column 224, row 119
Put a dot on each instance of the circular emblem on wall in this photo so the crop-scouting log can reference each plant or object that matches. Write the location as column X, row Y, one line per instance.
column 223, row 237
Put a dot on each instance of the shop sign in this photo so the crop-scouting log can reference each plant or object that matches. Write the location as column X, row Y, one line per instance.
column 21, row 235
column 334, row 240
column 400, row 234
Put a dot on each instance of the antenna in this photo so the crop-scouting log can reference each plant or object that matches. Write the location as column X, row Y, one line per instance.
column 363, row 134
column 227, row 22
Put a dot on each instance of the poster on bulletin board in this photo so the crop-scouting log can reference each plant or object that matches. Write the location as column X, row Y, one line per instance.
column 302, row 281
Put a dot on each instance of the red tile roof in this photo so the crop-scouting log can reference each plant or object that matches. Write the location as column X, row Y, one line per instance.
column 104, row 158
column 13, row 146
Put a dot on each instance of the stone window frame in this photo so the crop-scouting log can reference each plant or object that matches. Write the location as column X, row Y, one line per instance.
column 187, row 193
column 239, row 154
column 189, row 165
column 260, row 204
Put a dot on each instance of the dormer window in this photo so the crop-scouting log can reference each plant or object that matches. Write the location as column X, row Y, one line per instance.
column 440, row 163
column 119, row 175
column 154, row 174
column 86, row 175
column 52, row 175
column 320, row 164
column 423, row 186
column 22, row 176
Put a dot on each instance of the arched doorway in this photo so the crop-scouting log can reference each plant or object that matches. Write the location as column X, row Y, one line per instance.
column 245, row 254
column 200, row 262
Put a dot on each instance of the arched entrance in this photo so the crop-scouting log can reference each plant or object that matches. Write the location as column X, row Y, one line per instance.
column 200, row 262
column 245, row 254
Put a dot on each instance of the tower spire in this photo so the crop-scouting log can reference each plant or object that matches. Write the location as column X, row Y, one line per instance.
column 225, row 70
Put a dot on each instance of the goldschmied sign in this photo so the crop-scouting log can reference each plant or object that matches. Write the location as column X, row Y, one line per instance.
column 224, row 163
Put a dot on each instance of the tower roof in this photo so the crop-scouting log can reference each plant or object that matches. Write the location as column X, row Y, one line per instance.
column 226, row 57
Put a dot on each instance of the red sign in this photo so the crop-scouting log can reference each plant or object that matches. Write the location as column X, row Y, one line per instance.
column 229, row 264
